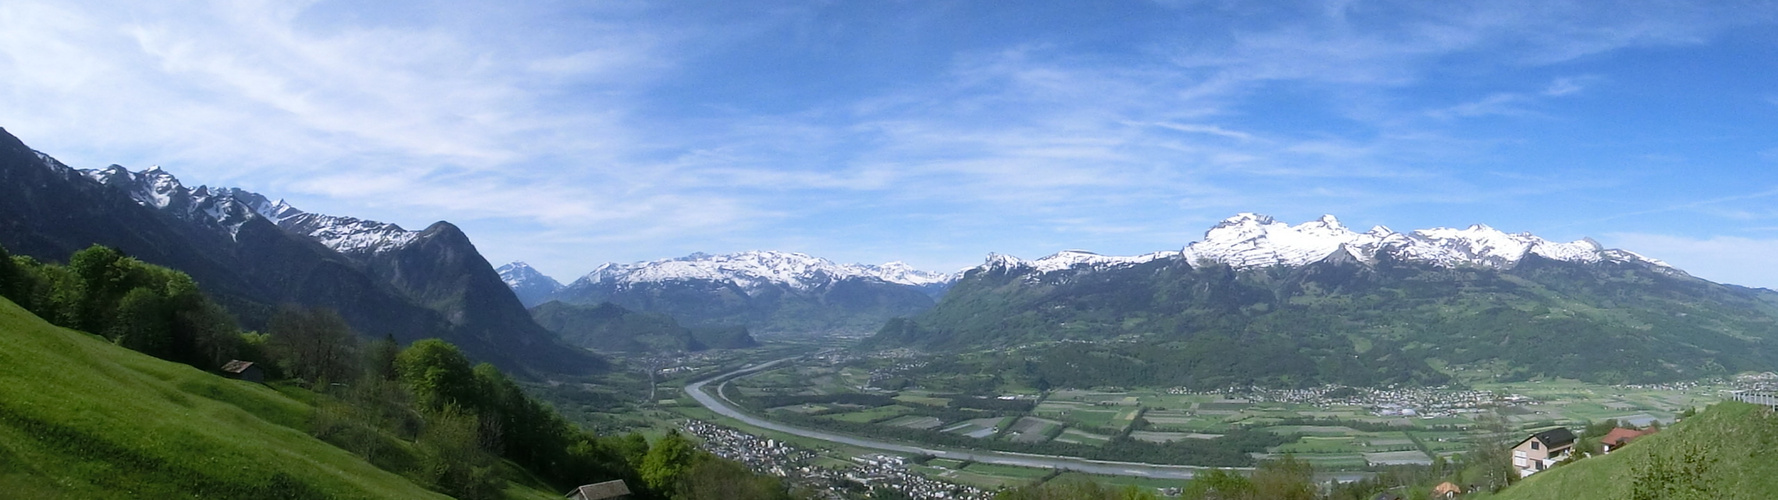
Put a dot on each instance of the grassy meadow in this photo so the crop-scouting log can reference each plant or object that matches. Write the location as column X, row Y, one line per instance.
column 82, row 418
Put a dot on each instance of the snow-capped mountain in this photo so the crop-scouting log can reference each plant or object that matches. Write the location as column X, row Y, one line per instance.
column 226, row 209
column 1251, row 240
column 240, row 248
column 1069, row 259
column 756, row 269
column 773, row 293
column 532, row 286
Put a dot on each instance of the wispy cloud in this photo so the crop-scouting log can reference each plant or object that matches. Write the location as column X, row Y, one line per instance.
column 633, row 128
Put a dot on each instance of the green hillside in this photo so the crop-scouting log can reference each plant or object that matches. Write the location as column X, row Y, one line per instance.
column 1208, row 326
column 82, row 418
column 1729, row 452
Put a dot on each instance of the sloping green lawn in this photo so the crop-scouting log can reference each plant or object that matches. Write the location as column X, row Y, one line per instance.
column 1737, row 444
column 82, row 418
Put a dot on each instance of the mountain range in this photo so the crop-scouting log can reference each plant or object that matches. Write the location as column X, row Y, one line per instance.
column 766, row 291
column 254, row 255
column 1259, row 301
column 1250, row 241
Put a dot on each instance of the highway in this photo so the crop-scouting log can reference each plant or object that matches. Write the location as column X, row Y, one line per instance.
column 727, row 408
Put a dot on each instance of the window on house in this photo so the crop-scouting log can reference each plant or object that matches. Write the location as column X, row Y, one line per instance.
column 1533, row 445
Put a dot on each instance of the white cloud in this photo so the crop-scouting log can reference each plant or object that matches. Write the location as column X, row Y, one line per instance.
column 543, row 120
column 1565, row 86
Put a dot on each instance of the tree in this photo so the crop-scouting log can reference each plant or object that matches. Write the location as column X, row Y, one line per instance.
column 716, row 479
column 667, row 461
column 141, row 323
column 102, row 278
column 1286, row 478
column 452, row 459
column 438, row 374
column 379, row 358
column 1675, row 476
column 314, row 344
column 212, row 334
column 1218, row 484
column 11, row 278
column 1073, row 489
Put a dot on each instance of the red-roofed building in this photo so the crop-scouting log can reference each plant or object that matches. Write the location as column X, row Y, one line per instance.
column 1620, row 436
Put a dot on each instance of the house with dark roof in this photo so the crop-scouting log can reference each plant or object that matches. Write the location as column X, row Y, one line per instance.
column 1542, row 450
column 609, row 490
column 1620, row 436
column 243, row 370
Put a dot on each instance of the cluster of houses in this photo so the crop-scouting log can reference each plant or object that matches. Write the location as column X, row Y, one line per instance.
column 1541, row 451
column 793, row 463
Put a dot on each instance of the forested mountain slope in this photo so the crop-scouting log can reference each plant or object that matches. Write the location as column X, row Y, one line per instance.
column 434, row 284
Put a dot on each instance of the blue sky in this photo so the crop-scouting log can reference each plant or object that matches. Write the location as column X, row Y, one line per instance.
column 568, row 134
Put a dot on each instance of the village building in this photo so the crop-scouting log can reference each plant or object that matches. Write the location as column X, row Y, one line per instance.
column 1446, row 489
column 609, row 490
column 1542, row 450
column 244, row 370
column 1619, row 437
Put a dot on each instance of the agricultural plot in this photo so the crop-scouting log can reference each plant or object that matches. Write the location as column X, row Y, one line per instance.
column 922, row 398
column 1309, row 445
column 802, row 408
column 1163, row 437
column 972, row 478
column 978, row 428
column 1107, row 419
column 1314, row 430
column 1032, row 430
column 1398, row 458
column 921, row 422
column 873, row 414
column 1335, row 461
column 1076, row 436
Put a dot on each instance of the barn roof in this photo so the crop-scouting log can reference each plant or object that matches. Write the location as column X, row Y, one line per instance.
column 237, row 366
column 601, row 491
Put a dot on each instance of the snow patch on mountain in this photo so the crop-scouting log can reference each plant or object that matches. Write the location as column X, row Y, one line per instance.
column 755, row 269
column 1070, row 259
column 226, row 209
column 520, row 275
column 1249, row 240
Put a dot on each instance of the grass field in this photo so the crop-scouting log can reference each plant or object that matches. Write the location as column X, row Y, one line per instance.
column 1733, row 443
column 82, row 418
column 873, row 414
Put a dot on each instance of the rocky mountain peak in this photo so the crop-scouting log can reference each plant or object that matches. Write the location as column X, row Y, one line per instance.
column 1249, row 240
column 754, row 269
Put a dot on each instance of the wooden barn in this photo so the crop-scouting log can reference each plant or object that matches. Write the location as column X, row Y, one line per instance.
column 608, row 490
column 244, row 370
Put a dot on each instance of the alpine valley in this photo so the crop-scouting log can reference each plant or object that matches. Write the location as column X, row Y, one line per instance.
column 1262, row 302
